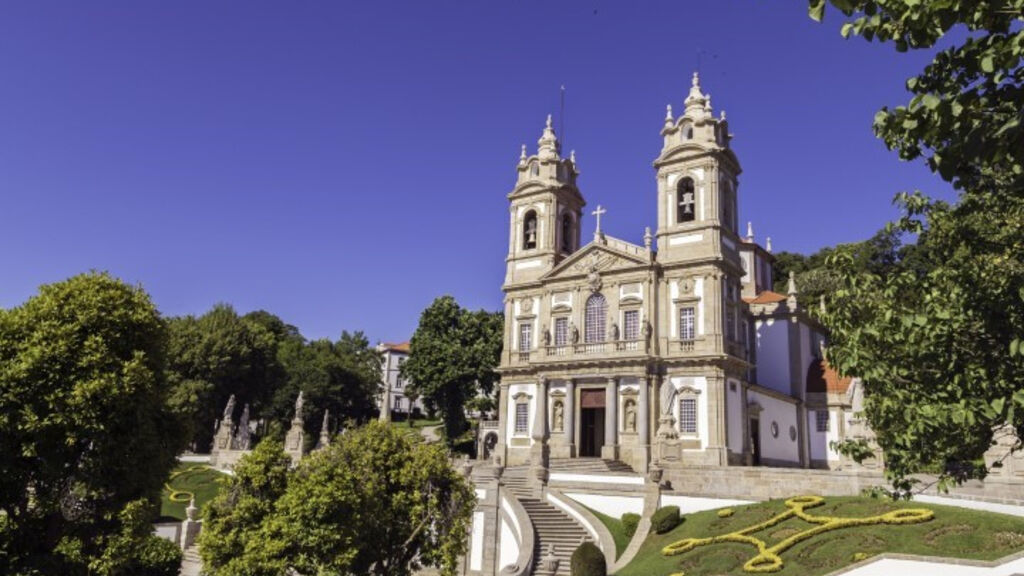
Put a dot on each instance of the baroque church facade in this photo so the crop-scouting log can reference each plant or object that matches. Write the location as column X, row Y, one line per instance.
column 673, row 352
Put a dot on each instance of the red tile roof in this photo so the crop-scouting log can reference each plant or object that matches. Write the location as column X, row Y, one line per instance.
column 823, row 378
column 766, row 297
column 397, row 347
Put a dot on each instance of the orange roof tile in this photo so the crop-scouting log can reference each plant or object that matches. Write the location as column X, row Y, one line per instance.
column 397, row 347
column 766, row 297
column 823, row 378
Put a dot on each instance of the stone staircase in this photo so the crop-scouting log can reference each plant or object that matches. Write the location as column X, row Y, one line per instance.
column 551, row 526
column 590, row 466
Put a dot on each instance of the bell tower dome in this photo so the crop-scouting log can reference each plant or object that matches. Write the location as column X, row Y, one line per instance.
column 545, row 208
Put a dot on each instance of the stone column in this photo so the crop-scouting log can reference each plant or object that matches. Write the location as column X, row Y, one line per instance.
column 500, row 455
column 644, row 423
column 539, row 449
column 570, row 416
column 717, row 450
column 610, row 450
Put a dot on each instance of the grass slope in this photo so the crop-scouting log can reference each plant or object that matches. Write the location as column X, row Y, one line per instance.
column 188, row 477
column 614, row 526
column 954, row 532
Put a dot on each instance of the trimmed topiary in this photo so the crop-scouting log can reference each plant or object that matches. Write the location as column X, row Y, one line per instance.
column 725, row 512
column 629, row 523
column 588, row 560
column 665, row 519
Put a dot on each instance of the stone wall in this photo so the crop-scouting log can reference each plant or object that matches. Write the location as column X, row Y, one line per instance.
column 761, row 483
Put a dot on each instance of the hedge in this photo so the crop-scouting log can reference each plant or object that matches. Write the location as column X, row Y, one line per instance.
column 665, row 519
column 588, row 560
column 629, row 523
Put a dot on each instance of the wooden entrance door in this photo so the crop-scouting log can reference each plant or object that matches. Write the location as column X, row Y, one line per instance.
column 591, row 422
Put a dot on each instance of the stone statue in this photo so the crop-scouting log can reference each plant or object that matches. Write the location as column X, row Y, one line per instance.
column 668, row 396
column 243, row 437
column 574, row 332
column 547, row 336
column 559, row 417
column 229, row 410
column 613, row 332
column 630, row 416
column 298, row 406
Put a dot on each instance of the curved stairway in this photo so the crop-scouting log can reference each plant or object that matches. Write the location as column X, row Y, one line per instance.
column 551, row 526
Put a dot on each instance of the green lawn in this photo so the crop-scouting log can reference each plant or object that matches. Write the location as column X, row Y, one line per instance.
column 614, row 526
column 953, row 532
column 188, row 477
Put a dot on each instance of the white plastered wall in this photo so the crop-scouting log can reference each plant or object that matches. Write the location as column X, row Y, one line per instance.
column 821, row 442
column 773, row 354
column 734, row 406
column 783, row 447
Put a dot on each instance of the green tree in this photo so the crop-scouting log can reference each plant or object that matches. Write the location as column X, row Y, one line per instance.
column 377, row 501
column 231, row 542
column 85, row 428
column 219, row 354
column 938, row 337
column 343, row 377
column 452, row 357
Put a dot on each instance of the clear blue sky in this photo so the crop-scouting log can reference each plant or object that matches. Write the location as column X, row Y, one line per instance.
column 342, row 163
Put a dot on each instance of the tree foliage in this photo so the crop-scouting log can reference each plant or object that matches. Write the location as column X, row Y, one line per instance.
column 377, row 501
column 452, row 357
column 343, row 377
column 86, row 435
column 938, row 337
column 219, row 354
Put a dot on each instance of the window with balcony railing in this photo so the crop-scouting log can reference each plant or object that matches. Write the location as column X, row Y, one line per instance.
column 687, row 324
column 595, row 313
column 631, row 325
column 561, row 331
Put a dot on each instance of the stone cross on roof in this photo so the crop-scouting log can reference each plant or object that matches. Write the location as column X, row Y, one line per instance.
column 598, row 213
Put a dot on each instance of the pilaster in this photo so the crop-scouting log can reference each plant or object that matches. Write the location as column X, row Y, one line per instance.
column 610, row 450
column 644, row 423
column 570, row 416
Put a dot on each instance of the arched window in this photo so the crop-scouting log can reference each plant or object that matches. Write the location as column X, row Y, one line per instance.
column 567, row 235
column 534, row 169
column 595, row 314
column 686, row 201
column 688, row 131
column 530, row 231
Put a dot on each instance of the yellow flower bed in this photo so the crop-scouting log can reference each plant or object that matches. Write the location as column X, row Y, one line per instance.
column 182, row 495
column 767, row 559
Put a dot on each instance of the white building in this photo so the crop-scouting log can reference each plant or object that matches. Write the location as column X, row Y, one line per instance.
column 394, row 398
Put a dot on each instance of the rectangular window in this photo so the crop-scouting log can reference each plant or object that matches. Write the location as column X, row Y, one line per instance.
column 688, row 415
column 686, row 323
column 821, row 420
column 525, row 334
column 730, row 324
column 522, row 417
column 631, row 325
column 561, row 331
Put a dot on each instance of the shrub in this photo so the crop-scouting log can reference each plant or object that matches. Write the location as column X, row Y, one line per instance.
column 588, row 560
column 665, row 519
column 858, row 556
column 725, row 512
column 629, row 522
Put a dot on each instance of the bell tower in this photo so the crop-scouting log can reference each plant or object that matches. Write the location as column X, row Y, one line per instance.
column 545, row 208
column 697, row 182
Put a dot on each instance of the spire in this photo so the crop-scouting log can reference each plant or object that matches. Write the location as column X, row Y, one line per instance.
column 547, row 146
column 768, row 245
column 668, row 116
column 791, row 291
column 750, row 231
column 695, row 100
column 648, row 239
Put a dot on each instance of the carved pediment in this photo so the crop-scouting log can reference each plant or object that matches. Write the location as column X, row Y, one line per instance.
column 595, row 259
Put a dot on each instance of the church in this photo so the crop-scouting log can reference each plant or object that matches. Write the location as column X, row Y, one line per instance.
column 673, row 352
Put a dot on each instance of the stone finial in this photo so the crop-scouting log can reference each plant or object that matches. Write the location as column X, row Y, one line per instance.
column 750, row 231
column 696, row 80
column 192, row 512
column 707, row 103
column 721, row 115
column 696, row 97
column 668, row 115
column 572, row 157
column 522, row 155
column 547, row 146
column 791, row 286
column 768, row 245
column 648, row 239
